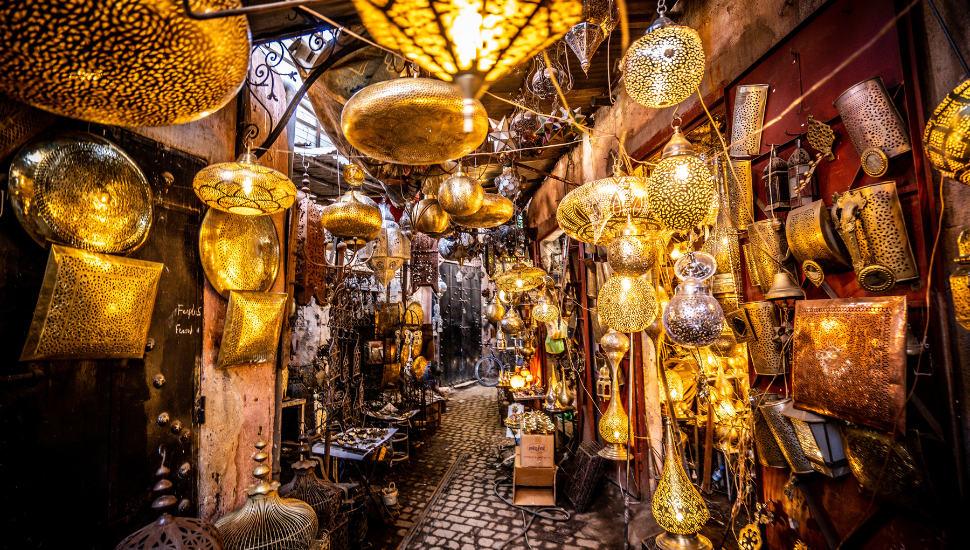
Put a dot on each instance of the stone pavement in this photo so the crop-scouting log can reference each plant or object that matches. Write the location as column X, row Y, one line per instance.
column 468, row 515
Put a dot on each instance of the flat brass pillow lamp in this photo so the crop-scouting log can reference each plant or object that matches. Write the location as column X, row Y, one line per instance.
column 495, row 211
column 252, row 328
column 123, row 62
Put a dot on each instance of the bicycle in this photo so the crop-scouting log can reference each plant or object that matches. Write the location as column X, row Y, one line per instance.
column 489, row 369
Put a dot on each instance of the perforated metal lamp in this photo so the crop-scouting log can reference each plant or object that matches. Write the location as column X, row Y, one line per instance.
column 614, row 424
column 677, row 506
column 947, row 135
column 681, row 188
column 469, row 42
column 244, row 187
column 820, row 440
column 665, row 65
column 627, row 304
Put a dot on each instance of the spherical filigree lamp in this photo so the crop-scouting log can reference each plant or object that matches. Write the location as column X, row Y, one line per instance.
column 595, row 211
column 614, row 424
column 512, row 324
column 627, row 304
column 632, row 253
column 461, row 194
column 677, row 506
column 693, row 318
column 681, row 187
column 353, row 217
column 947, row 135
column 545, row 311
column 665, row 66
column 244, row 187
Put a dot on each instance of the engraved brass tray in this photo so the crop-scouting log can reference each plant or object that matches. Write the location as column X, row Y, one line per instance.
column 495, row 211
column 123, row 63
column 252, row 330
column 92, row 306
column 850, row 359
column 239, row 252
column 81, row 190
column 412, row 121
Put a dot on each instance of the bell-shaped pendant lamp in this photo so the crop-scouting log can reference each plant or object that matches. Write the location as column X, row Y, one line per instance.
column 693, row 318
column 681, row 187
column 391, row 249
column 520, row 278
column 353, row 217
column 599, row 20
column 665, row 66
column 461, row 194
column 627, row 304
column 614, row 424
column 512, row 324
column 265, row 520
column 470, row 42
column 244, row 187
column 677, row 506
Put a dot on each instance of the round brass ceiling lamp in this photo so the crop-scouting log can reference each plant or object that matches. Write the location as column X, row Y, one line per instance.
column 947, row 135
column 353, row 217
column 520, row 278
column 594, row 212
column 415, row 121
column 681, row 187
column 633, row 252
column 461, row 194
column 244, row 187
column 666, row 65
column 122, row 62
column 495, row 211
column 470, row 42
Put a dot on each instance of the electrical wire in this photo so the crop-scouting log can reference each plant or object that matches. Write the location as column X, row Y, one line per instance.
column 538, row 512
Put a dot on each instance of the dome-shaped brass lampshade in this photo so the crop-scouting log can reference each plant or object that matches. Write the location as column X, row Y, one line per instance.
column 122, row 63
column 461, row 194
column 244, row 187
column 520, row 278
column 412, row 121
column 627, row 304
column 681, row 187
column 947, row 135
column 595, row 211
column 495, row 211
column 664, row 66
column 353, row 216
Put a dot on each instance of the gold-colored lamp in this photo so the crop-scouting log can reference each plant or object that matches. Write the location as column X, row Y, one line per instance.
column 429, row 217
column 415, row 121
column 238, row 252
column 520, row 278
column 353, row 216
column 681, row 189
column 103, row 63
column 614, row 424
column 632, row 253
column 947, row 135
column 461, row 194
column 495, row 311
column 495, row 211
column 244, row 187
column 92, row 306
column 471, row 42
column 512, row 324
column 677, row 506
column 595, row 212
column 665, row 66
column 81, row 190
column 627, row 304
column 960, row 281
column 252, row 328
column 545, row 311
column 391, row 249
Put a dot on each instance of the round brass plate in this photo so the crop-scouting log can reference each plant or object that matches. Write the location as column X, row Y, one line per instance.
column 239, row 252
column 495, row 211
column 80, row 190
column 411, row 121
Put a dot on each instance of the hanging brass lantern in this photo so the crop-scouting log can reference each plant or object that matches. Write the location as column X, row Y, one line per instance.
column 265, row 520
column 238, row 252
column 414, row 121
column 632, row 253
column 594, row 212
column 681, row 188
column 545, row 311
column 599, row 19
column 520, row 278
column 461, row 194
column 495, row 211
column 353, row 217
column 665, row 66
column 391, row 250
column 429, row 217
column 960, row 281
column 123, row 63
column 495, row 311
column 512, row 324
column 947, row 135
column 776, row 183
column 613, row 424
column 677, row 506
column 473, row 42
column 244, row 187
column 627, row 304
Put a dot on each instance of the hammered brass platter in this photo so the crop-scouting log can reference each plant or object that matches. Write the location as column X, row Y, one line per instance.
column 92, row 306
column 850, row 360
column 239, row 252
column 412, row 121
column 81, row 190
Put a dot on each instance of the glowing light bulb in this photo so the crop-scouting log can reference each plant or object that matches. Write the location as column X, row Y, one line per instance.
column 682, row 172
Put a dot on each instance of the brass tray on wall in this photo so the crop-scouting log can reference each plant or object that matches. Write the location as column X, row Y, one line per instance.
column 92, row 306
column 252, row 331
column 850, row 359
column 239, row 252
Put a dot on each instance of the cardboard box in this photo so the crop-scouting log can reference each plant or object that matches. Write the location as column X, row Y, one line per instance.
column 533, row 477
column 538, row 451
column 534, row 496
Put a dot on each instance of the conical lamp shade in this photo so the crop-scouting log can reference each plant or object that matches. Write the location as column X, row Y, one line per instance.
column 677, row 506
column 583, row 39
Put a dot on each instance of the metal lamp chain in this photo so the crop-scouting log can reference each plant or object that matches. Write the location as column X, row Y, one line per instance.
column 662, row 7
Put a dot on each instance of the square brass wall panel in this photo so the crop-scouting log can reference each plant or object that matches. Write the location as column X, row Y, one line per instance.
column 92, row 306
column 252, row 330
column 850, row 359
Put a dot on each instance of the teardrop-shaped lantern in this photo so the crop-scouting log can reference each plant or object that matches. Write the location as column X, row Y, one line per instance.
column 614, row 424
column 391, row 250
column 677, row 506
column 681, row 187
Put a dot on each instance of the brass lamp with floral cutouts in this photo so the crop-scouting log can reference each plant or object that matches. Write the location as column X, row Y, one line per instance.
column 947, row 135
column 614, row 424
column 244, row 187
column 627, row 304
column 354, row 217
column 677, row 506
column 595, row 212
column 632, row 253
column 681, row 188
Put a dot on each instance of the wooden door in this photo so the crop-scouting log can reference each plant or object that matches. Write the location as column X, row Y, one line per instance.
column 461, row 317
